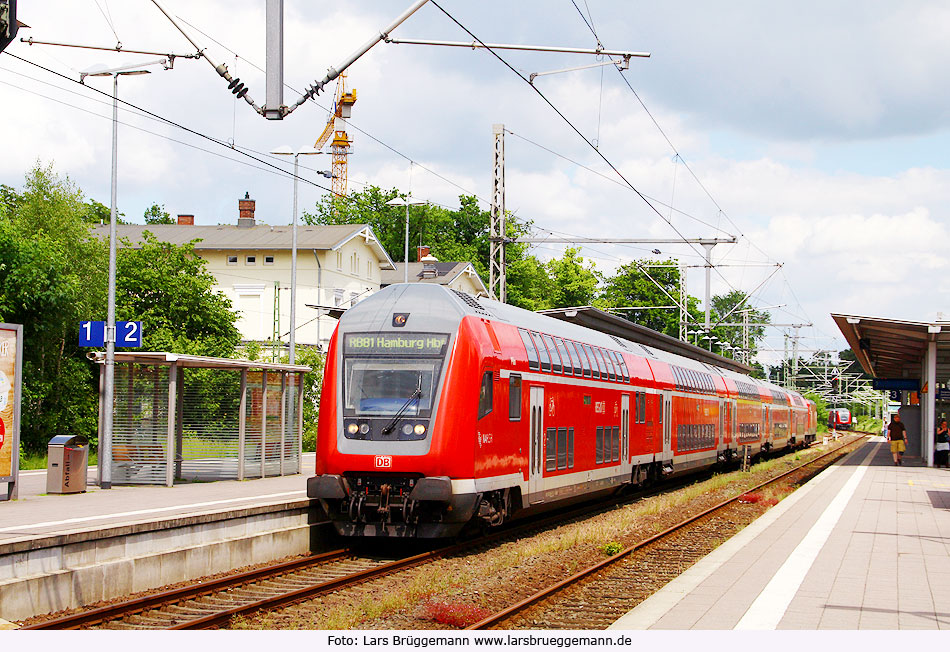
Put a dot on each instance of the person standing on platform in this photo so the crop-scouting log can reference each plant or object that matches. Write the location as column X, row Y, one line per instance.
column 896, row 433
column 942, row 456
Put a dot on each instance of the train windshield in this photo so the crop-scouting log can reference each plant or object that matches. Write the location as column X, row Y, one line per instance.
column 382, row 373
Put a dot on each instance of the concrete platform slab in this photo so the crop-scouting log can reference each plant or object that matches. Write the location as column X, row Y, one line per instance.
column 864, row 545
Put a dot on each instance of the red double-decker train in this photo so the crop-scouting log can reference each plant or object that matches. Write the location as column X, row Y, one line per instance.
column 439, row 409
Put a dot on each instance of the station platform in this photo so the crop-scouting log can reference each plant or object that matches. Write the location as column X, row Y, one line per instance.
column 863, row 545
column 36, row 514
column 59, row 551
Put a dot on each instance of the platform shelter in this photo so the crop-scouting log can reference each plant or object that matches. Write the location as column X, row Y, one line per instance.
column 911, row 360
column 180, row 418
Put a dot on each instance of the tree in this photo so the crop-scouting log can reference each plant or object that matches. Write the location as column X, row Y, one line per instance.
column 167, row 287
column 452, row 235
column 156, row 214
column 50, row 279
column 632, row 286
column 573, row 282
column 721, row 310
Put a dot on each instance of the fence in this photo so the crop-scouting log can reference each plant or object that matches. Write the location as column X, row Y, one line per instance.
column 183, row 418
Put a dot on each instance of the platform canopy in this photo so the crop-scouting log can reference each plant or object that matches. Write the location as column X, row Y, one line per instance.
column 604, row 322
column 895, row 348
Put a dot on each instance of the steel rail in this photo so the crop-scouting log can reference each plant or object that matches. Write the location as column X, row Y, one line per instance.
column 500, row 616
column 138, row 605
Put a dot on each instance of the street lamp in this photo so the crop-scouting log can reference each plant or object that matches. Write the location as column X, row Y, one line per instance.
column 407, row 202
column 286, row 151
column 105, row 446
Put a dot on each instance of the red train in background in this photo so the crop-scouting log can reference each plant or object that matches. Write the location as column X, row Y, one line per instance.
column 839, row 419
column 439, row 409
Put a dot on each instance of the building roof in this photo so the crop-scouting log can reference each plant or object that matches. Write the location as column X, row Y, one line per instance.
column 445, row 274
column 326, row 237
column 598, row 320
column 895, row 348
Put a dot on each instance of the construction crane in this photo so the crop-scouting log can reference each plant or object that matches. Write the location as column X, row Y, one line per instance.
column 343, row 102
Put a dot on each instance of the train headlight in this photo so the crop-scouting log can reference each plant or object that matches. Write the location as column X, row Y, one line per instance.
column 420, row 429
column 352, row 428
column 407, row 429
column 364, row 428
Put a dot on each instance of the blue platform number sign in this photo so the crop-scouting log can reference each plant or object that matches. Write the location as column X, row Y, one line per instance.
column 92, row 333
column 128, row 334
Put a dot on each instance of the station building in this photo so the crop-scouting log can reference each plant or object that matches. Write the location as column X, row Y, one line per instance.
column 337, row 266
column 911, row 361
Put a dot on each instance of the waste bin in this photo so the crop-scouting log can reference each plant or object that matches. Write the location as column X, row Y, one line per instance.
column 66, row 466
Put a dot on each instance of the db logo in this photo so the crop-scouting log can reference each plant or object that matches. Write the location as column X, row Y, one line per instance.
column 384, row 462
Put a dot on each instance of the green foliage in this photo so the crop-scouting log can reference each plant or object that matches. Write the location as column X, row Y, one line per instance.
column 167, row 287
column 50, row 280
column 632, row 286
column 312, row 383
column 722, row 311
column 573, row 282
column 156, row 214
column 252, row 351
column 53, row 274
column 821, row 408
column 612, row 548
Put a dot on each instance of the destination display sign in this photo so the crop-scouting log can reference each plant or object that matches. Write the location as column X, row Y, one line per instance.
column 395, row 344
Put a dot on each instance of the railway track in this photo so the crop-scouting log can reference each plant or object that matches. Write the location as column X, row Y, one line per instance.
column 595, row 597
column 210, row 604
column 213, row 603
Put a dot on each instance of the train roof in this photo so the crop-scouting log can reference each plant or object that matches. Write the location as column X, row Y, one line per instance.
column 444, row 310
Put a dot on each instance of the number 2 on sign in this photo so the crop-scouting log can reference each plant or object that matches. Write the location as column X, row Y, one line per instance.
column 130, row 329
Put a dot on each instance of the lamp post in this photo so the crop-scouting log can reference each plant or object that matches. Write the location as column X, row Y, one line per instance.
column 105, row 446
column 407, row 202
column 286, row 151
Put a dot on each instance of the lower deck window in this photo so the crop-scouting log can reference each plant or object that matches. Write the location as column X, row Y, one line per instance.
column 550, row 450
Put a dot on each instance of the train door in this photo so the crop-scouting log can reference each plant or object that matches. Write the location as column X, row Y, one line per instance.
column 536, row 446
column 734, row 424
column 667, row 416
column 625, row 434
column 720, row 443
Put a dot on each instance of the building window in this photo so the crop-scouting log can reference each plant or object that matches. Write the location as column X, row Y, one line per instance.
column 369, row 269
column 268, row 260
column 339, row 260
column 338, row 297
column 250, row 260
column 232, row 260
column 353, row 297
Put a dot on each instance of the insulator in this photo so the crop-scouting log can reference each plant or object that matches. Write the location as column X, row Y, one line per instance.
column 234, row 82
column 241, row 93
column 239, row 89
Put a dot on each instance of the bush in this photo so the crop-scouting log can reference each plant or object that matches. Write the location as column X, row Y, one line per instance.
column 456, row 614
column 612, row 548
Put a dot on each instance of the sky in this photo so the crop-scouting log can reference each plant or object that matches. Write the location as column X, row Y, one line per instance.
column 817, row 134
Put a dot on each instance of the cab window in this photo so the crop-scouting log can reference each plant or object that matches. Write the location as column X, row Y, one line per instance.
column 485, row 395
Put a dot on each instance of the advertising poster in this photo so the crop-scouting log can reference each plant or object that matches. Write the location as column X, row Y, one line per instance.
column 10, row 348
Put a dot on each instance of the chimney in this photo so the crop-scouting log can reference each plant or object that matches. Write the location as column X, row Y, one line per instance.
column 246, row 211
column 429, row 270
column 188, row 220
column 421, row 252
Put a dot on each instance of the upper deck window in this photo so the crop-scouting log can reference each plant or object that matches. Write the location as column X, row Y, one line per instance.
column 542, row 352
column 582, row 354
column 530, row 349
column 566, row 357
column 595, row 370
column 552, row 350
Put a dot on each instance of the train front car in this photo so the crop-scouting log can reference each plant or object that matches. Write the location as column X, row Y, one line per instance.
column 387, row 444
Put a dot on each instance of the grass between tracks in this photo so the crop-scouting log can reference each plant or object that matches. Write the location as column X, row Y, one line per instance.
column 456, row 592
